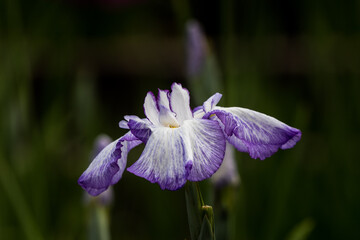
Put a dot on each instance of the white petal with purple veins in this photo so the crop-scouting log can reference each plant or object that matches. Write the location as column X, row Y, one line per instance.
column 180, row 103
column 108, row 166
column 256, row 133
column 150, row 108
column 164, row 159
column 141, row 129
column 123, row 124
column 211, row 102
column 198, row 112
column 206, row 142
column 171, row 156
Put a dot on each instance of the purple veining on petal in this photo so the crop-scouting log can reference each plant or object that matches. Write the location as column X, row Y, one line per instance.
column 188, row 166
column 198, row 112
column 97, row 178
column 131, row 138
column 162, row 160
column 198, row 108
column 256, row 133
column 227, row 119
column 140, row 129
column 129, row 143
column 206, row 141
column 163, row 99
column 211, row 102
column 124, row 123
column 107, row 167
column 296, row 136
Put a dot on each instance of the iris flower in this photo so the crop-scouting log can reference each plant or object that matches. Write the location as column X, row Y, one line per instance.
column 184, row 145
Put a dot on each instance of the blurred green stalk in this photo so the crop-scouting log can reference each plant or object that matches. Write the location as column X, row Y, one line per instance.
column 98, row 228
column 12, row 189
column 200, row 216
column 302, row 230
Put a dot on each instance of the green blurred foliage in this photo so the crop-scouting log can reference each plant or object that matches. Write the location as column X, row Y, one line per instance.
column 70, row 70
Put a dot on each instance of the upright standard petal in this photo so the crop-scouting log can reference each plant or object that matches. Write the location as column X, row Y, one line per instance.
column 163, row 99
column 164, row 159
column 208, row 105
column 256, row 133
column 150, row 108
column 108, row 166
column 211, row 102
column 180, row 103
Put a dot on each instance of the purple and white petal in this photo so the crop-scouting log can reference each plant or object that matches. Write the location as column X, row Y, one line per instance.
column 163, row 99
column 164, row 159
column 140, row 129
column 256, row 133
column 205, row 141
column 198, row 112
column 150, row 108
column 208, row 105
column 167, row 118
column 108, row 166
column 125, row 123
column 180, row 103
column 211, row 102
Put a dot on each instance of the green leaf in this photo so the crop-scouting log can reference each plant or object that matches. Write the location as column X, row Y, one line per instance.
column 206, row 232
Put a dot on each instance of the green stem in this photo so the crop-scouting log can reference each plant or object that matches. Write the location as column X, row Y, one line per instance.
column 200, row 216
column 12, row 189
column 98, row 228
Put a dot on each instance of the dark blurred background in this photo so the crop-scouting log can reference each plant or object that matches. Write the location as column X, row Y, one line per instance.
column 70, row 70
